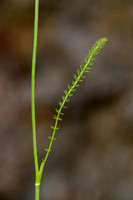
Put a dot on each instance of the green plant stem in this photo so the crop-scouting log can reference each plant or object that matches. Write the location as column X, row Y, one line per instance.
column 37, row 182
column 37, row 191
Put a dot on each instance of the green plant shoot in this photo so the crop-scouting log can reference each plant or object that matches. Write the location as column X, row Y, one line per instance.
column 78, row 77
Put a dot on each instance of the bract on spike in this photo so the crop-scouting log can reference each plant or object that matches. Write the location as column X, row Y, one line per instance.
column 52, row 127
column 86, row 60
column 51, row 138
column 73, row 82
column 78, row 72
column 59, row 117
column 67, row 100
column 60, row 103
column 63, row 98
column 70, row 95
column 81, row 67
column 73, row 90
column 75, row 77
column 69, row 87
column 66, row 92
column 86, row 70
column 57, row 110
column 47, row 150
column 54, row 117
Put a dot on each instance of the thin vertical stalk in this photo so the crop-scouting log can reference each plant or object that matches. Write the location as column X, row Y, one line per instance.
column 33, row 88
column 37, row 191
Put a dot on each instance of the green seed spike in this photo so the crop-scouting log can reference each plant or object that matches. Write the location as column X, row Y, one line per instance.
column 84, row 68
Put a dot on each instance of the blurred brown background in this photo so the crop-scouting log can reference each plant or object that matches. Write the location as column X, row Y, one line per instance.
column 92, row 157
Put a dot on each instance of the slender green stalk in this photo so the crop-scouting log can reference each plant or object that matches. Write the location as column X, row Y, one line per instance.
column 37, row 191
column 37, row 182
